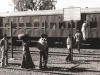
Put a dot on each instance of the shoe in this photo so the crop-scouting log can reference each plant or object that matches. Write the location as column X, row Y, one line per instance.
column 45, row 67
column 40, row 67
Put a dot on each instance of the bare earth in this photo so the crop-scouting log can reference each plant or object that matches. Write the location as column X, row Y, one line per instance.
column 85, row 63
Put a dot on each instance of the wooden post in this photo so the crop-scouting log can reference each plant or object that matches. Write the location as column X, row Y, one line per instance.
column 71, row 52
column 11, row 38
column 45, row 27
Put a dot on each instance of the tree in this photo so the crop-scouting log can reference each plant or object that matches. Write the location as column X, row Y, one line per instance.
column 24, row 5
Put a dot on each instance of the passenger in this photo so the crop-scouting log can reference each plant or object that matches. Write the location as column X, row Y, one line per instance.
column 43, row 51
column 83, row 30
column 68, row 58
column 54, row 26
column 27, row 60
column 78, row 38
column 4, row 49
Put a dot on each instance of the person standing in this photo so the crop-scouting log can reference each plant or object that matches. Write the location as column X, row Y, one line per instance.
column 43, row 51
column 4, row 49
column 83, row 30
column 68, row 41
column 78, row 38
column 27, row 60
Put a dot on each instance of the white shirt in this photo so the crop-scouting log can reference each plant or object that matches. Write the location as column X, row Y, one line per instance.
column 83, row 27
column 68, row 43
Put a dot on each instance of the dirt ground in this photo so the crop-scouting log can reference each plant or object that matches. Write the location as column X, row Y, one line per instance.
column 87, row 62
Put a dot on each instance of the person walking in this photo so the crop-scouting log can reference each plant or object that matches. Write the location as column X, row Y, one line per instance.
column 78, row 38
column 43, row 51
column 27, row 60
column 4, row 50
column 68, row 41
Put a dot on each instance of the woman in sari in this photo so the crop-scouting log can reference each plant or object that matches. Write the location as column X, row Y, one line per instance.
column 27, row 60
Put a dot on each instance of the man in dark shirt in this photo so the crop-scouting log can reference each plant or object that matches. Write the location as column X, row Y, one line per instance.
column 4, row 49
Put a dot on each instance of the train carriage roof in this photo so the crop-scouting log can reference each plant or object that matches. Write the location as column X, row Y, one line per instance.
column 47, row 12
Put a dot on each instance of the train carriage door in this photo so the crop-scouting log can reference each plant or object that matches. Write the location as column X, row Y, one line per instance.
column 53, row 26
column 1, row 25
column 44, row 24
column 14, row 21
column 62, row 31
column 93, row 32
column 36, row 26
column 98, row 23
column 21, row 25
column 73, row 30
column 6, row 24
column 28, row 25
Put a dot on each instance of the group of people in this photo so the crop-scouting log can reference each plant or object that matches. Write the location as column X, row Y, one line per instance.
column 78, row 38
column 42, row 46
column 26, row 59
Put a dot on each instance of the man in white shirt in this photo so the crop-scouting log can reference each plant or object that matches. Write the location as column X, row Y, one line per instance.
column 68, row 41
column 83, row 30
column 44, row 51
column 78, row 38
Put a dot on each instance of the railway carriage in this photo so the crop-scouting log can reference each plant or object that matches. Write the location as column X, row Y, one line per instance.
column 49, row 22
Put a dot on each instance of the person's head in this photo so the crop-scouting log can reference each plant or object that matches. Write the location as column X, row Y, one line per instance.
column 77, row 31
column 43, row 36
column 26, row 38
column 84, row 21
column 5, row 35
column 69, row 35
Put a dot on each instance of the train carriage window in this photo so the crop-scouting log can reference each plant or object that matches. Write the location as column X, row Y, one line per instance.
column 73, row 25
column 21, row 24
column 28, row 25
column 93, row 24
column 43, row 24
column 52, row 25
column 14, row 25
column 36, row 24
column 62, row 25
column 7, row 25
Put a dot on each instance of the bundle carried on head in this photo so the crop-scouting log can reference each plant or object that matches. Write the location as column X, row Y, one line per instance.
column 23, row 36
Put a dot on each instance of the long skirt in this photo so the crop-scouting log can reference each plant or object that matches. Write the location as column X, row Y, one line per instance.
column 27, row 61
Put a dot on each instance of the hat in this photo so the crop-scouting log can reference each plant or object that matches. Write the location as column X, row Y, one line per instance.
column 43, row 35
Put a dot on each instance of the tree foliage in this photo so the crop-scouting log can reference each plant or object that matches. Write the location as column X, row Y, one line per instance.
column 24, row 5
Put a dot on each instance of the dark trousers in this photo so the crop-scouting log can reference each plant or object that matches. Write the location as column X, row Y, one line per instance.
column 68, row 58
column 78, row 44
column 44, row 55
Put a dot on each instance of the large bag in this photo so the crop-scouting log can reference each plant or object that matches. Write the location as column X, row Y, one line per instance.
column 41, row 45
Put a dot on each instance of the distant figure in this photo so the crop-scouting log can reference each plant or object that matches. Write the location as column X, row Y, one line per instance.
column 68, row 58
column 54, row 26
column 27, row 60
column 78, row 38
column 83, row 30
column 4, row 49
column 43, row 51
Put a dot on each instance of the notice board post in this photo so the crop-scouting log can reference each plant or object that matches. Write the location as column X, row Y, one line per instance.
column 71, row 14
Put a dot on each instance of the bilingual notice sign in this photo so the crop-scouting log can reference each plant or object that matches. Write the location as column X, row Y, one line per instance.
column 72, row 13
